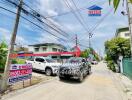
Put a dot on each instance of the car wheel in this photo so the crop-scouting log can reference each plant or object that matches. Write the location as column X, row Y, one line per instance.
column 48, row 72
column 61, row 78
column 81, row 77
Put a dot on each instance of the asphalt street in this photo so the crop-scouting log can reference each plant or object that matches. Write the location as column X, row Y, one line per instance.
column 101, row 84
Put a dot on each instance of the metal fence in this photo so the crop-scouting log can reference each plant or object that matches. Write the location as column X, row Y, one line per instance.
column 127, row 67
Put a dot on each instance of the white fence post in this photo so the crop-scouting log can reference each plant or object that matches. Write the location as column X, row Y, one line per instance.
column 121, row 63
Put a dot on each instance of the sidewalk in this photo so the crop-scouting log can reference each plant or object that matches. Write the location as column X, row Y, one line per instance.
column 126, row 85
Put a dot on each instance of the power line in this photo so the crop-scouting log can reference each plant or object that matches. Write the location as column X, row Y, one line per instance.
column 80, row 14
column 99, row 22
column 46, row 19
column 76, row 16
column 37, row 26
column 33, row 23
column 82, row 22
column 37, row 16
column 68, row 12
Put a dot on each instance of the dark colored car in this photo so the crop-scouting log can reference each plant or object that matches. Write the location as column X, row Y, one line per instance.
column 75, row 67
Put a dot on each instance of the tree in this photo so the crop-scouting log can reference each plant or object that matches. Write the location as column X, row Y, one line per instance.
column 116, row 3
column 89, row 51
column 85, row 53
column 116, row 47
column 3, row 54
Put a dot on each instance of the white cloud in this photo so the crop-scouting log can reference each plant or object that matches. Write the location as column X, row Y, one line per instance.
column 51, row 7
column 7, row 36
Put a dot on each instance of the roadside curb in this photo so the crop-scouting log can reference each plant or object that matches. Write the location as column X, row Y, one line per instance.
column 18, row 92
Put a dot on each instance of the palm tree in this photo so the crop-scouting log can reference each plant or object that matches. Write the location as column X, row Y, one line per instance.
column 3, row 54
column 116, row 3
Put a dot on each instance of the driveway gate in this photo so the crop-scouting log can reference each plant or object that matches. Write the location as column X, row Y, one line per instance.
column 127, row 67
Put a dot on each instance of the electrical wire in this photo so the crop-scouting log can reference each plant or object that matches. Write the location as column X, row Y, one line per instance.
column 36, row 18
column 32, row 23
column 76, row 16
column 37, row 26
column 46, row 19
column 99, row 22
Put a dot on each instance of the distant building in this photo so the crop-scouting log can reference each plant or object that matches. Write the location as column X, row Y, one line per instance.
column 47, row 48
column 19, row 49
column 123, row 32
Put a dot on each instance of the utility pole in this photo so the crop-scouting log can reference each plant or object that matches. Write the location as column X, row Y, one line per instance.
column 5, row 77
column 129, row 12
column 76, row 41
column 89, row 40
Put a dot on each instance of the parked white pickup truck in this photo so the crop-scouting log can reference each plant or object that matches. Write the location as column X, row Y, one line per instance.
column 44, row 64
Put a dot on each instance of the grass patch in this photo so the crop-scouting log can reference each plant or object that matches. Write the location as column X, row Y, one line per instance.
column 18, row 61
column 21, row 61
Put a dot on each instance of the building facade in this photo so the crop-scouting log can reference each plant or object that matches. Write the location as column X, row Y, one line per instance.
column 49, row 48
column 46, row 47
column 123, row 33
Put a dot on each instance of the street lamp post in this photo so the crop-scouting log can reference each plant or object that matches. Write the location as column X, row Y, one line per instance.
column 129, row 12
column 4, row 83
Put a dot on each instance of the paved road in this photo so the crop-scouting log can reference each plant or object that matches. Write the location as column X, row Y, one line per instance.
column 100, row 85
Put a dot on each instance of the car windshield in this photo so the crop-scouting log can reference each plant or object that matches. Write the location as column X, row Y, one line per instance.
column 50, row 60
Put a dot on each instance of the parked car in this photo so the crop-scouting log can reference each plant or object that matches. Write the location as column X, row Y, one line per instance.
column 94, row 62
column 75, row 67
column 44, row 64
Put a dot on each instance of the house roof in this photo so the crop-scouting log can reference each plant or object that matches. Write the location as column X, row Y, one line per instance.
column 94, row 7
column 47, row 44
column 121, row 30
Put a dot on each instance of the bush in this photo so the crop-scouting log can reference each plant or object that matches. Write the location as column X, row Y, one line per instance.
column 14, row 61
column 114, row 48
column 3, row 54
column 111, row 65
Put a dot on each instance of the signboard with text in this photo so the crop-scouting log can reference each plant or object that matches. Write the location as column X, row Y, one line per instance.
column 19, row 72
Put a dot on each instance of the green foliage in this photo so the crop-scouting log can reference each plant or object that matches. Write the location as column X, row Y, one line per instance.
column 116, row 3
column 85, row 53
column 88, row 51
column 111, row 65
column 3, row 54
column 114, row 48
column 96, row 57
column 14, row 61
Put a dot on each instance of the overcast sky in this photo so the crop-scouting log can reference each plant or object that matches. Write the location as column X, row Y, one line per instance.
column 30, row 34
